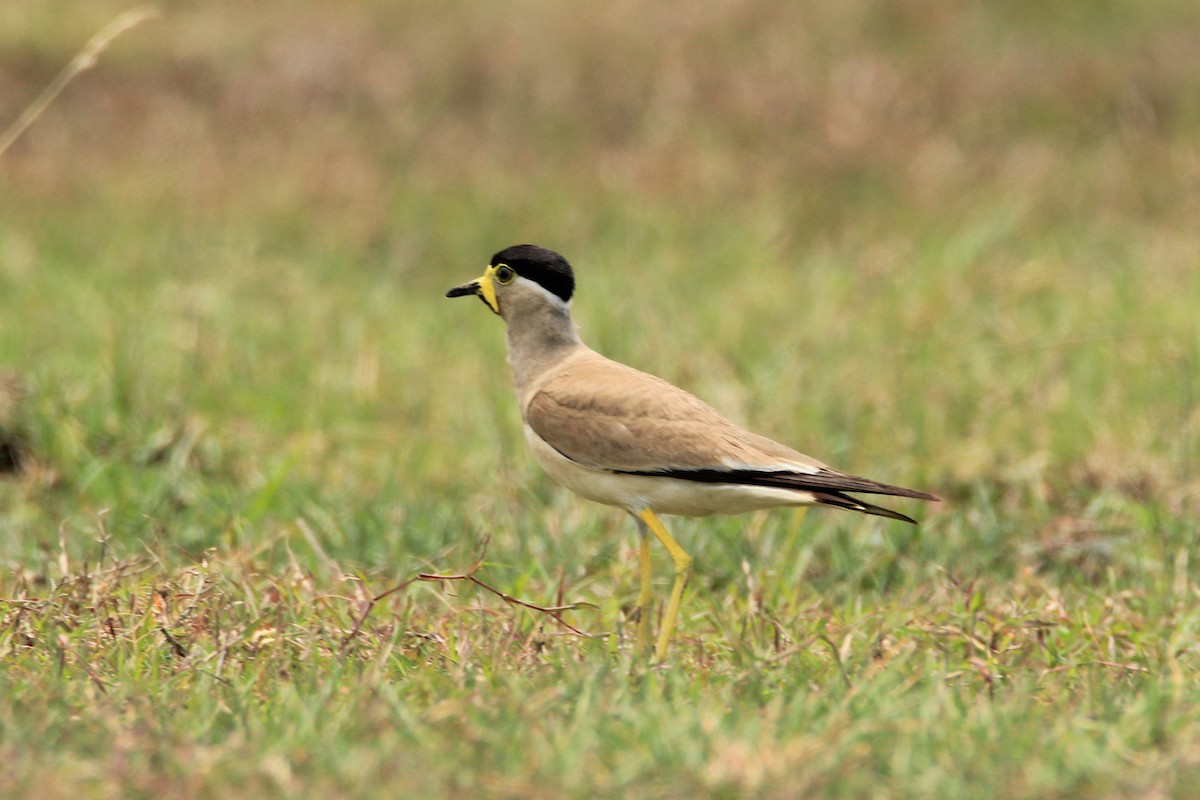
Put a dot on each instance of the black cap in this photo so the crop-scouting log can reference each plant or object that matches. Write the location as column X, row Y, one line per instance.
column 544, row 267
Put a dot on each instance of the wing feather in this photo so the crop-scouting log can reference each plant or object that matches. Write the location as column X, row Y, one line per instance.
column 607, row 416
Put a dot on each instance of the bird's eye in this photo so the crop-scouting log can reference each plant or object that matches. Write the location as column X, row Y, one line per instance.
column 505, row 274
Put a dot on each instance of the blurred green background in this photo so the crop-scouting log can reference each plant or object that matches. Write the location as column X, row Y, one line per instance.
column 947, row 245
column 950, row 245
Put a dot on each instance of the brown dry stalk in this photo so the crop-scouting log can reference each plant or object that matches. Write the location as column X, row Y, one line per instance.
column 84, row 60
column 552, row 612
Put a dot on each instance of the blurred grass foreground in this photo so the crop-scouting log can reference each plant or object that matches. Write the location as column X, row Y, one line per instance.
column 945, row 245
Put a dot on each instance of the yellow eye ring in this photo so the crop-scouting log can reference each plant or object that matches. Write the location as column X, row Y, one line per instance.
column 505, row 274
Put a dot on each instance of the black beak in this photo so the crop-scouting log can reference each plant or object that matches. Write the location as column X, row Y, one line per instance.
column 464, row 290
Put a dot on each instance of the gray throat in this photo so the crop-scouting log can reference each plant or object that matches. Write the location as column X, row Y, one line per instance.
column 539, row 337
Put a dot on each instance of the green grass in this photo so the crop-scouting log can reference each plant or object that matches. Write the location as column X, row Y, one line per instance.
column 947, row 247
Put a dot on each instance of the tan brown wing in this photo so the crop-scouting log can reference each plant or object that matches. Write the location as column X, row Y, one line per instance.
column 609, row 416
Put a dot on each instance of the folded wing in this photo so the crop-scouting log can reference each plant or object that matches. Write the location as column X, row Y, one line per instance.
column 607, row 416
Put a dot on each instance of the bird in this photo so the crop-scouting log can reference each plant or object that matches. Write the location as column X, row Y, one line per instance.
column 625, row 438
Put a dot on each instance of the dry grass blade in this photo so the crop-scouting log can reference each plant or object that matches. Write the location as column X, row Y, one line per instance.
column 83, row 61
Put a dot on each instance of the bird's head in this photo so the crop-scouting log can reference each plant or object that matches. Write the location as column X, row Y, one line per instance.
column 521, row 274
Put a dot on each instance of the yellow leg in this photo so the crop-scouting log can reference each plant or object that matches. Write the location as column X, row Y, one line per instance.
column 797, row 518
column 646, row 595
column 683, row 568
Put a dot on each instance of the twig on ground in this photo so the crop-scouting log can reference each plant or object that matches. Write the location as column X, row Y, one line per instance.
column 554, row 612
column 369, row 608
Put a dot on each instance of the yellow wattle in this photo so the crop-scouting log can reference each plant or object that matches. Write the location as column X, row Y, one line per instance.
column 488, row 289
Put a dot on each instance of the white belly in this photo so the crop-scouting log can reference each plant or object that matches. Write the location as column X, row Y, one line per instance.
column 662, row 495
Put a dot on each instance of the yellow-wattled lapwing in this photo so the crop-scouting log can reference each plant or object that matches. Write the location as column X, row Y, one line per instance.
column 628, row 439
